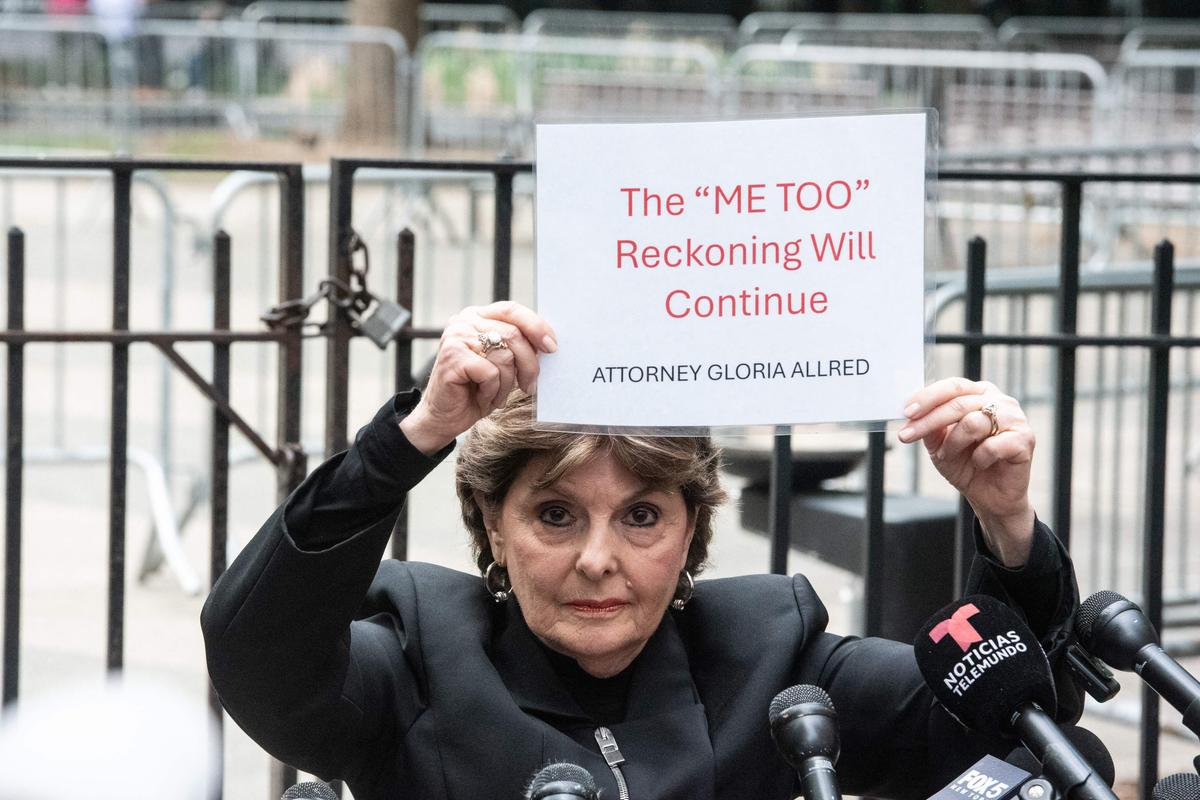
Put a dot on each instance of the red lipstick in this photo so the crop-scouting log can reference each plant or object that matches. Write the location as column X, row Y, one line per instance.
column 587, row 606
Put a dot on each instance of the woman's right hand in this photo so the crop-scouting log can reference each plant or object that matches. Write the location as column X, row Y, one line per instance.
column 467, row 385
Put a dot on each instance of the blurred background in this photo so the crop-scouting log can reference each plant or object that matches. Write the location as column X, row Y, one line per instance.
column 146, row 148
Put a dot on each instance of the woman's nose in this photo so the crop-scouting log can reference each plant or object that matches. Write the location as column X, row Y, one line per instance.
column 598, row 556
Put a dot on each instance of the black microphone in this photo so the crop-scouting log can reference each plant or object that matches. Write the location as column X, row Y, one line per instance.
column 987, row 668
column 1117, row 632
column 310, row 790
column 1183, row 786
column 562, row 781
column 989, row 778
column 1087, row 743
column 804, row 727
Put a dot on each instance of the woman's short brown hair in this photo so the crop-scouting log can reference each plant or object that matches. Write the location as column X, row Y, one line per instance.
column 499, row 446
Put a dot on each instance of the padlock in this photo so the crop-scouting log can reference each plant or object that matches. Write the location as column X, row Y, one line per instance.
column 381, row 321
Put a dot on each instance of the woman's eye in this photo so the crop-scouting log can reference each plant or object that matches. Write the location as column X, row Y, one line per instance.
column 642, row 516
column 556, row 516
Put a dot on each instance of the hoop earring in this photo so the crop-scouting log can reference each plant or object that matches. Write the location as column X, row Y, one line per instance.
column 684, row 591
column 495, row 580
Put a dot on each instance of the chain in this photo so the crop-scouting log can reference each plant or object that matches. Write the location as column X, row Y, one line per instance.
column 354, row 298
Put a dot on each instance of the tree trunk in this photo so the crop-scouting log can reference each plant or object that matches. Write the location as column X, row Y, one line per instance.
column 376, row 105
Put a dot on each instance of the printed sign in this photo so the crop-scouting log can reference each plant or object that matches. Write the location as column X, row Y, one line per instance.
column 731, row 273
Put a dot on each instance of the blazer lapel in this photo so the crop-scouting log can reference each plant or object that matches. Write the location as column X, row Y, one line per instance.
column 526, row 671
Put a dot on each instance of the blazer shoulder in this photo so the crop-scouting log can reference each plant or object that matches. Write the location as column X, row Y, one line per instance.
column 413, row 588
column 741, row 617
column 752, row 598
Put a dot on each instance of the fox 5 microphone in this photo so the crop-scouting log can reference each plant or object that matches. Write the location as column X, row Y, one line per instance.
column 1117, row 632
column 804, row 727
column 989, row 778
column 562, row 781
column 988, row 670
column 310, row 790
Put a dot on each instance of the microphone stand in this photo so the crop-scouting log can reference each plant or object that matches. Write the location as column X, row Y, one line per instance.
column 1069, row 773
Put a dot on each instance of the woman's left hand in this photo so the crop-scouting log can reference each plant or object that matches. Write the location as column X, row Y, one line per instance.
column 991, row 470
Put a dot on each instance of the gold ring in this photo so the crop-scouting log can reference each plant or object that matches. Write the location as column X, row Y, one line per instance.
column 990, row 410
column 489, row 341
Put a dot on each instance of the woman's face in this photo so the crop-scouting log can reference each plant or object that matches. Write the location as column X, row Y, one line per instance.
column 594, row 559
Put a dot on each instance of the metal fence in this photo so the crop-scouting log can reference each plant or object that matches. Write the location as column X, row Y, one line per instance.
column 67, row 83
column 1001, row 99
column 204, row 86
column 715, row 31
column 1096, row 358
column 939, row 31
column 432, row 16
column 120, row 338
column 888, row 30
column 481, row 92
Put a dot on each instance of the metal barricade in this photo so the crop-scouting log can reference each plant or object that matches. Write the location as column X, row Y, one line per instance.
column 964, row 31
column 433, row 16
column 1121, row 224
column 194, row 81
column 1155, row 96
column 942, row 32
column 56, row 85
column 486, row 92
column 716, row 31
column 982, row 98
column 1179, row 35
column 1097, row 37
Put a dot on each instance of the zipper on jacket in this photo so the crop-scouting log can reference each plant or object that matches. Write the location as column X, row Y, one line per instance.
column 612, row 755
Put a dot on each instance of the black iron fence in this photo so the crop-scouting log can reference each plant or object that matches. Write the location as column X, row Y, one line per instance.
column 287, row 455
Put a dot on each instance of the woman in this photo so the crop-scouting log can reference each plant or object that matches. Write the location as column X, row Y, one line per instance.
column 415, row 681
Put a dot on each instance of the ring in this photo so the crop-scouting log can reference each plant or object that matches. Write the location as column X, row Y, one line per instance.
column 489, row 341
column 990, row 410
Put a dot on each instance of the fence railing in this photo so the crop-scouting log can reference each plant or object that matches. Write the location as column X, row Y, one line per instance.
column 66, row 83
column 71, row 82
column 120, row 337
column 1054, row 332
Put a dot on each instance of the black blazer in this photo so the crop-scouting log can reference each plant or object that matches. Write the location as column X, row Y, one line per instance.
column 407, row 681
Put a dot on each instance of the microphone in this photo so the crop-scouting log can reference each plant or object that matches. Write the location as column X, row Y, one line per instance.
column 1183, row 786
column 562, row 781
column 988, row 670
column 804, row 727
column 1087, row 743
column 310, row 790
column 989, row 778
column 1117, row 632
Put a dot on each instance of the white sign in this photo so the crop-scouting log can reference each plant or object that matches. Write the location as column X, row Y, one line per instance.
column 731, row 273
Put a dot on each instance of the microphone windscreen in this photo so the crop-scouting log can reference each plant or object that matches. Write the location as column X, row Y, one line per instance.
column 1089, row 611
column 310, row 790
column 982, row 662
column 1087, row 743
column 1021, row 757
column 563, row 771
column 1184, row 786
column 796, row 695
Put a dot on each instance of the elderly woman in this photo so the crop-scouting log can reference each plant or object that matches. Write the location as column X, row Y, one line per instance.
column 414, row 681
